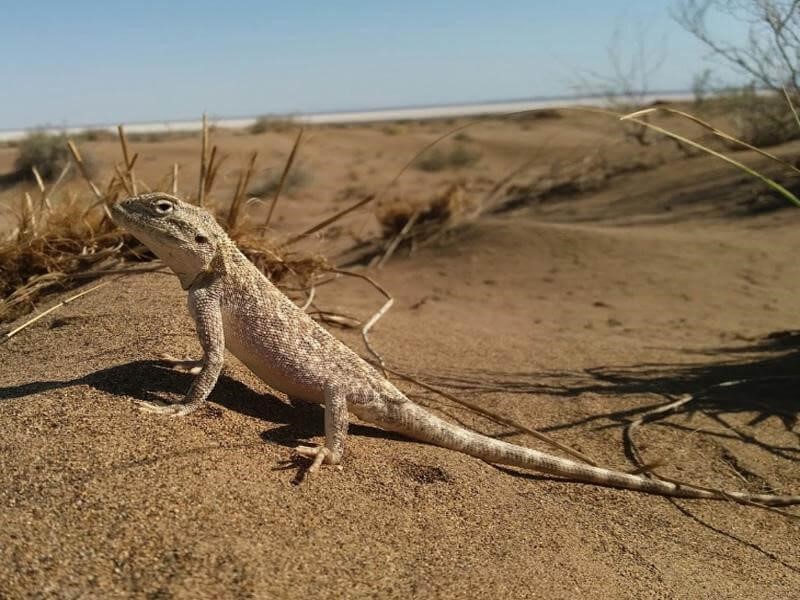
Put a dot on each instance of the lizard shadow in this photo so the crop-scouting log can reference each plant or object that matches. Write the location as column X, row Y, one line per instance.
column 154, row 381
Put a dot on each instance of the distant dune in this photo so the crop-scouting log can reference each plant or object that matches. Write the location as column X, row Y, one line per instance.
column 357, row 116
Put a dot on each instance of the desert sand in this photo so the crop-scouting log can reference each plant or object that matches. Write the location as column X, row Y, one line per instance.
column 571, row 313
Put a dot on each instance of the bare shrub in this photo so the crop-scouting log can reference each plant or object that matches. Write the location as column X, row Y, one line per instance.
column 96, row 135
column 758, row 119
column 458, row 156
column 299, row 176
column 48, row 153
column 267, row 123
column 770, row 53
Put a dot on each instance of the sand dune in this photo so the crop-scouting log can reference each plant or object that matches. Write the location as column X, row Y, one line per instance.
column 582, row 311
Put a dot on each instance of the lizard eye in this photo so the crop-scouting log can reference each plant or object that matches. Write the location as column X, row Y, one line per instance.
column 200, row 239
column 163, row 207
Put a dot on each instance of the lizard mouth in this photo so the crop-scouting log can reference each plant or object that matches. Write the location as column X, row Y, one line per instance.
column 118, row 213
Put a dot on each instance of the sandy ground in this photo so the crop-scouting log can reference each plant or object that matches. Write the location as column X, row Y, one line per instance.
column 571, row 315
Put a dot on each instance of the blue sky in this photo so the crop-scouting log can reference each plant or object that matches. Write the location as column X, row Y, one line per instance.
column 82, row 62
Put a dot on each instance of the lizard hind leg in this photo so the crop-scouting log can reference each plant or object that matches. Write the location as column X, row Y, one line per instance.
column 336, row 422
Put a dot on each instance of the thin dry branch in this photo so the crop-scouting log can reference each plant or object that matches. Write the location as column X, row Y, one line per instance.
column 717, row 132
column 397, row 239
column 671, row 407
column 43, row 314
column 123, row 140
column 238, row 195
column 324, row 223
column 474, row 407
column 82, row 168
column 174, row 185
column 376, row 317
column 496, row 418
column 286, row 169
column 211, row 170
column 201, row 185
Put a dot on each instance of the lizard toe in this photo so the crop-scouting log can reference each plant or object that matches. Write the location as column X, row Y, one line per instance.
column 317, row 454
column 172, row 410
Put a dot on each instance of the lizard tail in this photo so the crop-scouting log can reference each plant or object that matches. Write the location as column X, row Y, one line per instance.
column 417, row 423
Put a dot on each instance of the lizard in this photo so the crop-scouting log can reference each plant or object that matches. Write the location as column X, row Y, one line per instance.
column 235, row 306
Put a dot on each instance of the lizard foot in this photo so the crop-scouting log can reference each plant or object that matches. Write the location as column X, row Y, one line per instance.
column 173, row 410
column 318, row 454
column 190, row 366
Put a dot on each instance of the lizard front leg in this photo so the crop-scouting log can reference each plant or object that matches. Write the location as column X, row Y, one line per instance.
column 336, row 423
column 207, row 315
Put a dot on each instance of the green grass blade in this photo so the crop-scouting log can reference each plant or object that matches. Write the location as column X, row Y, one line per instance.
column 753, row 173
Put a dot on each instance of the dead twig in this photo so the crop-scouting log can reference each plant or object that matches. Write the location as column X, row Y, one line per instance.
column 311, row 292
column 201, row 185
column 238, row 195
column 286, row 169
column 495, row 417
column 82, row 168
column 123, row 140
column 397, row 239
column 670, row 407
column 324, row 223
column 174, row 184
column 43, row 314
column 377, row 316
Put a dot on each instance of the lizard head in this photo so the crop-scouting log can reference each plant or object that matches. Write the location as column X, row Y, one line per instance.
column 184, row 236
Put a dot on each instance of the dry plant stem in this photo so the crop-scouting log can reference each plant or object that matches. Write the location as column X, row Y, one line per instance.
column 123, row 140
column 376, row 317
column 323, row 224
column 717, row 132
column 753, row 173
column 123, row 180
column 201, row 184
column 37, row 176
column 40, row 184
column 664, row 409
column 311, row 293
column 496, row 418
column 211, row 170
column 238, row 195
column 28, row 212
column 41, row 315
column 82, row 168
column 286, row 169
column 44, row 198
column 174, row 186
column 157, row 268
column 397, row 239
column 791, row 106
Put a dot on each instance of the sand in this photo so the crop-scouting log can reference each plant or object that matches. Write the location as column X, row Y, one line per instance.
column 578, row 313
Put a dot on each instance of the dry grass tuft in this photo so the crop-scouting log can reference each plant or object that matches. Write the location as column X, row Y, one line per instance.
column 53, row 248
column 447, row 207
column 458, row 156
column 414, row 223
column 63, row 239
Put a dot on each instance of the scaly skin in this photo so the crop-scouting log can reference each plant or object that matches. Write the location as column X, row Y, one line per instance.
column 235, row 306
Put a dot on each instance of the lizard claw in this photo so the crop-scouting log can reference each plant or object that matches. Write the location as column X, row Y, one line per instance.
column 192, row 367
column 318, row 455
column 172, row 410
